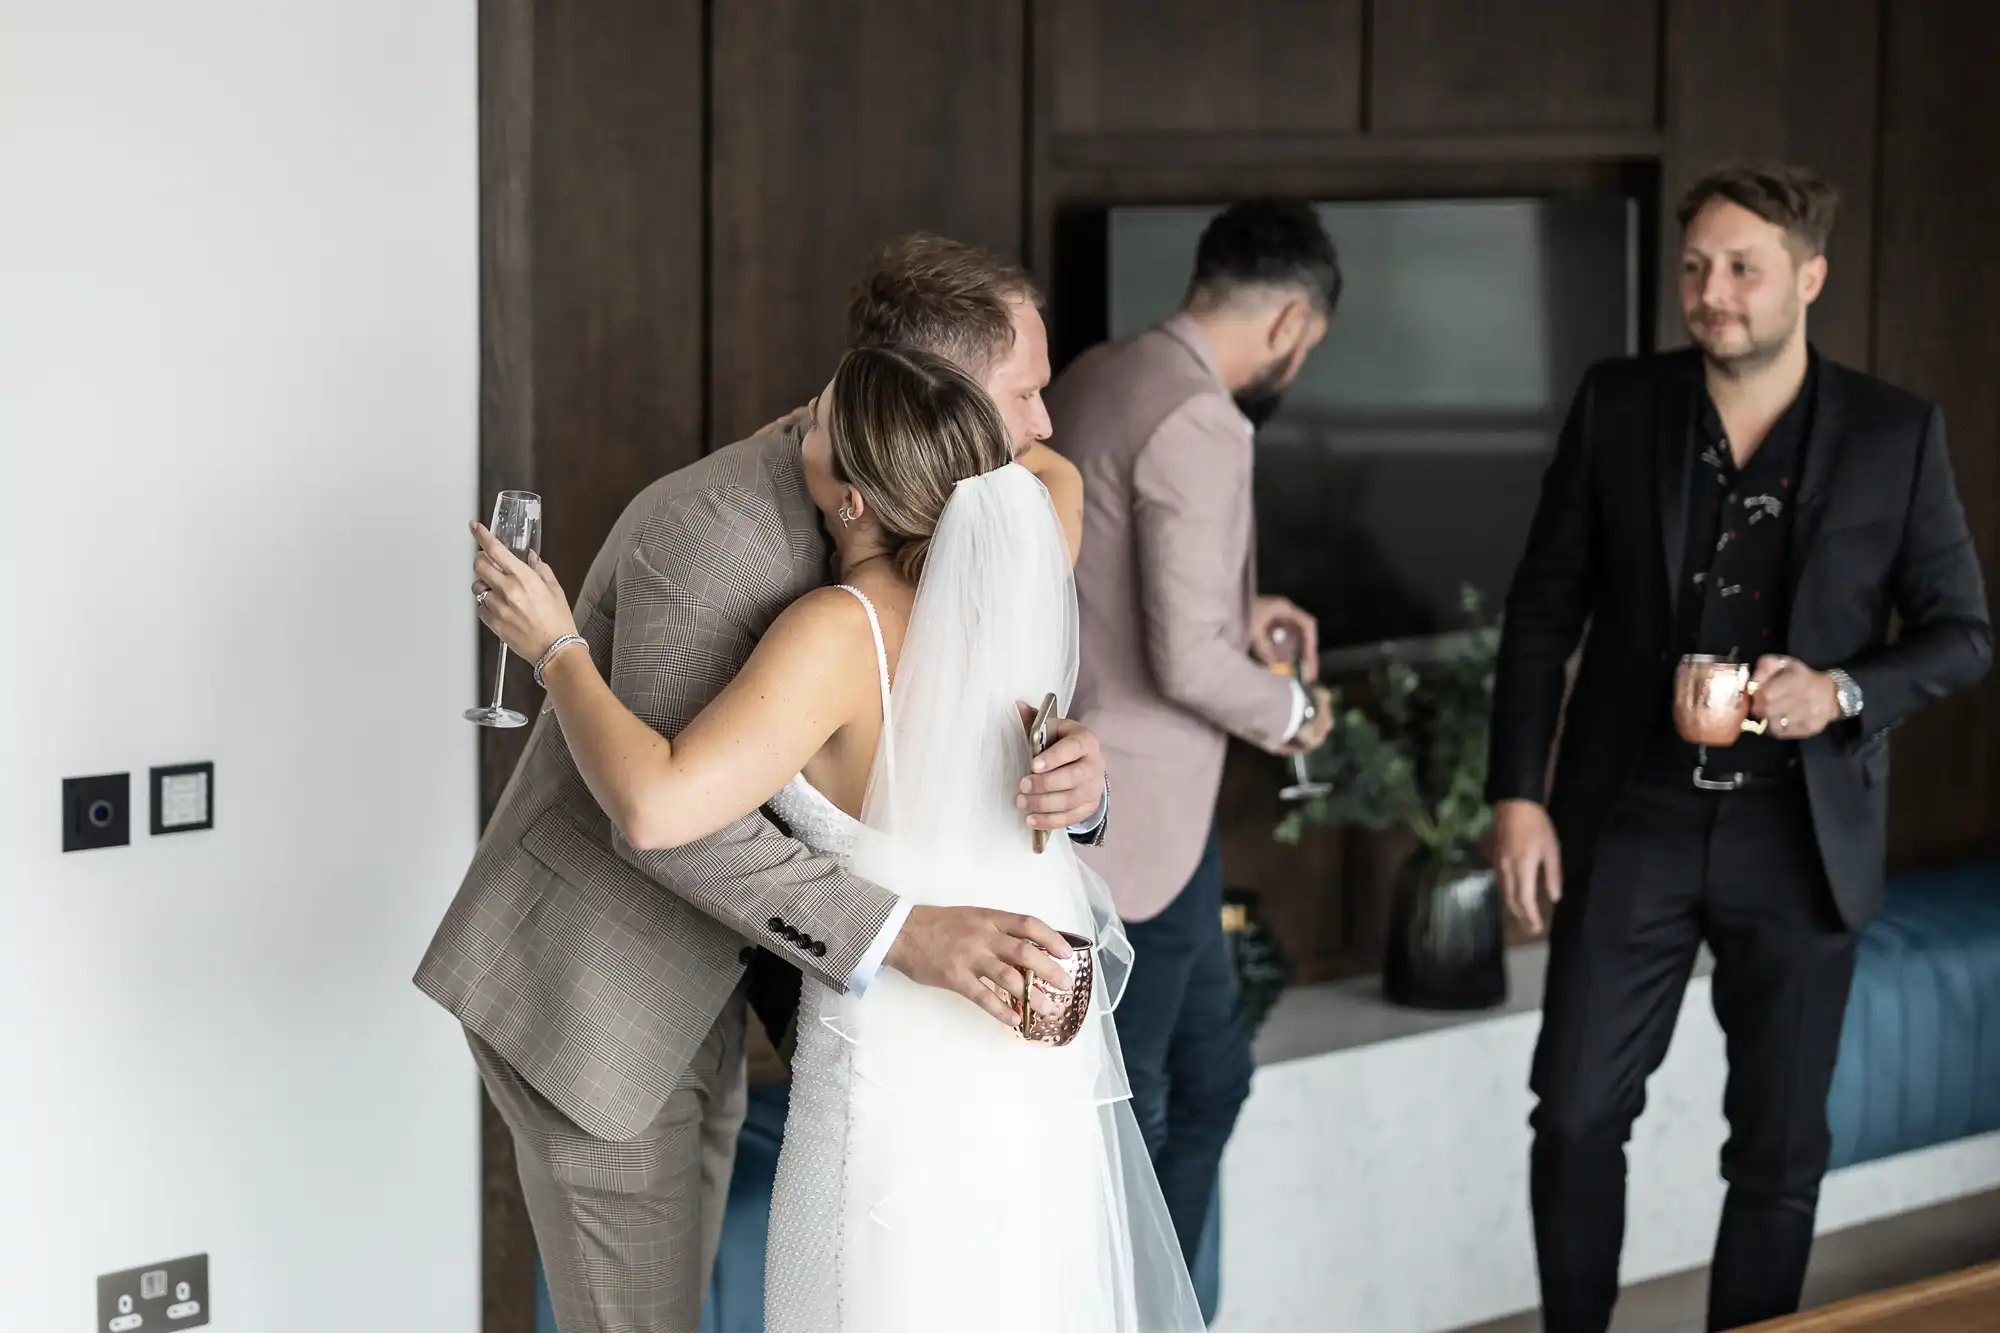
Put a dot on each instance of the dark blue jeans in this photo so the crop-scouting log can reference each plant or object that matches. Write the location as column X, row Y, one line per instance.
column 1185, row 1051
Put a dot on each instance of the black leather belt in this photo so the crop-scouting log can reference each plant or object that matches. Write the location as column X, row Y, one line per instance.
column 1706, row 779
column 1677, row 765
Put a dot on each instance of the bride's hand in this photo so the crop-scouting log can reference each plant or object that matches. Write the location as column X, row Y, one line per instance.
column 518, row 600
column 979, row 953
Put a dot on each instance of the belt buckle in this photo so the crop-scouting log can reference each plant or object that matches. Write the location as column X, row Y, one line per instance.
column 1734, row 782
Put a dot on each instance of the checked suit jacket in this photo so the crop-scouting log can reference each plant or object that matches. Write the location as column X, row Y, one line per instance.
column 595, row 969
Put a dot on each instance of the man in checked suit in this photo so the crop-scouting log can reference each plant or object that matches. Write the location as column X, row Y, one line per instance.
column 602, row 987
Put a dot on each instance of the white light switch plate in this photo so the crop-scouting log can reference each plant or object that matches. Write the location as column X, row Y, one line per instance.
column 183, row 798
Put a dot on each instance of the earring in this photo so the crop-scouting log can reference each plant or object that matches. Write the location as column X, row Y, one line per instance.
column 846, row 514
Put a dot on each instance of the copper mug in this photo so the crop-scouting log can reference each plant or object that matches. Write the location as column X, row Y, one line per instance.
column 1712, row 700
column 1060, row 1028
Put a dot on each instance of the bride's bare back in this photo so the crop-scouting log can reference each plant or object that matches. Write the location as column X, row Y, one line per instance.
column 841, row 768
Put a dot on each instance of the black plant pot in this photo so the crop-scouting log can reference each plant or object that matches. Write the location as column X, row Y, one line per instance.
column 1261, row 968
column 1446, row 946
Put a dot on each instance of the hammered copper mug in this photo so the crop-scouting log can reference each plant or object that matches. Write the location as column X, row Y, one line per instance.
column 1712, row 700
column 1060, row 1028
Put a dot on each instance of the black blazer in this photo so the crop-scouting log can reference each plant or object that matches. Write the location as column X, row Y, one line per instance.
column 1878, row 528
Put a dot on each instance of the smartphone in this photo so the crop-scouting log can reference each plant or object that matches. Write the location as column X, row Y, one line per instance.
column 1038, row 741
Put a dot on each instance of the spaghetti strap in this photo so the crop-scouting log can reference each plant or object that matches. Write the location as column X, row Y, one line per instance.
column 881, row 652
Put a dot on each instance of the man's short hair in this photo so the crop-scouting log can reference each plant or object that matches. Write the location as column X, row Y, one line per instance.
column 1793, row 198
column 1266, row 243
column 942, row 296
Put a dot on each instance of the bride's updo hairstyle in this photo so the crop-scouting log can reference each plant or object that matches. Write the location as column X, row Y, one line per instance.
column 905, row 426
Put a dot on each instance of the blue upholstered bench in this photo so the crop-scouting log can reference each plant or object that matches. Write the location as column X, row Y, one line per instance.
column 1920, row 1052
column 736, row 1290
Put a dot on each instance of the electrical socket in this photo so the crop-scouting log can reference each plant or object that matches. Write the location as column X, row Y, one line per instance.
column 172, row 1295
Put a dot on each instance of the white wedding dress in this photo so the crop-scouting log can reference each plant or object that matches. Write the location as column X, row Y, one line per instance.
column 938, row 1172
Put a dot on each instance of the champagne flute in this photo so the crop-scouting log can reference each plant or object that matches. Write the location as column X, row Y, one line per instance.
column 517, row 522
column 1303, row 788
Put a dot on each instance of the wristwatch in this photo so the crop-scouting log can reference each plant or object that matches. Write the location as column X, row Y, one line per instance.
column 1845, row 692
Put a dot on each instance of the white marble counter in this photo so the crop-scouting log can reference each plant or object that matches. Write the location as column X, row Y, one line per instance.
column 1377, row 1182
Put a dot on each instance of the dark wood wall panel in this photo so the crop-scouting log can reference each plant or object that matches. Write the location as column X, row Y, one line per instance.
column 506, row 306
column 1202, row 66
column 591, row 271
column 591, row 274
column 506, row 459
column 1937, row 288
column 617, row 259
column 1794, row 80
column 1522, row 65
column 837, row 126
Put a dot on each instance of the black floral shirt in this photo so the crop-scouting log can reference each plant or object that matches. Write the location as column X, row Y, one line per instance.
column 1735, row 596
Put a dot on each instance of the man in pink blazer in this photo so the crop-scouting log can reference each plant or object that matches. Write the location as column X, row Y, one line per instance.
column 1173, row 633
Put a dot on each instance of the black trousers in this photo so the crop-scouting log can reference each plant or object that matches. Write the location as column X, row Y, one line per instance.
column 1677, row 866
column 1186, row 1053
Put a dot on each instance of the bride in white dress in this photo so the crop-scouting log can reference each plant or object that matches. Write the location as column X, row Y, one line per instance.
column 938, row 1171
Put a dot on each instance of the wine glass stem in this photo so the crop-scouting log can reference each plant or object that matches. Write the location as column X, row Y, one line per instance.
column 500, row 678
column 1299, row 768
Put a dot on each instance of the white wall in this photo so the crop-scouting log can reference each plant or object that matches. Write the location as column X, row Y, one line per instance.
column 238, row 402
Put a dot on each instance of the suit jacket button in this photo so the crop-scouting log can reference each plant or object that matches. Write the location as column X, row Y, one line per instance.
column 819, row 949
column 748, row 952
column 791, row 933
column 777, row 924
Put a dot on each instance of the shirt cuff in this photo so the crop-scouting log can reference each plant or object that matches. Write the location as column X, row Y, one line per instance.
column 1096, row 821
column 1300, row 702
column 870, row 965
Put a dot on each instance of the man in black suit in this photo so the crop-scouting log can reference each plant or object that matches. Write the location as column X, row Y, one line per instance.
column 1748, row 497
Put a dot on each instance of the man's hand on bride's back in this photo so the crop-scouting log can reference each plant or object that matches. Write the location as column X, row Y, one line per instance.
column 979, row 953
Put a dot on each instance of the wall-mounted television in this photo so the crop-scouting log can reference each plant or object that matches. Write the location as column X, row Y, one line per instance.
column 1407, row 458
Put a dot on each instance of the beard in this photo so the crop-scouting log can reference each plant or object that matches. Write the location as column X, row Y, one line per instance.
column 1260, row 399
column 1739, row 348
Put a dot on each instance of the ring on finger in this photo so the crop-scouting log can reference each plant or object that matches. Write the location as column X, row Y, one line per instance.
column 479, row 598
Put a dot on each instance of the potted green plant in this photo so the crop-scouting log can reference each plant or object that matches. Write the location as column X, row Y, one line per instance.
column 1411, row 751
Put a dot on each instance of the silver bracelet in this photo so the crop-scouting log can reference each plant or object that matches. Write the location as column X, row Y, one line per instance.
column 549, row 656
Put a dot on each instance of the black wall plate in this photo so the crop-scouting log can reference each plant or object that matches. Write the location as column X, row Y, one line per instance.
column 97, row 812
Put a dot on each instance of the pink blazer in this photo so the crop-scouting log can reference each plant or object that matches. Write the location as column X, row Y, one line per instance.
column 1164, row 586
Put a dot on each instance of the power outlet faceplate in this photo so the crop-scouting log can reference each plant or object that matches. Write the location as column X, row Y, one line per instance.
column 172, row 1295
